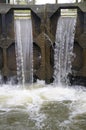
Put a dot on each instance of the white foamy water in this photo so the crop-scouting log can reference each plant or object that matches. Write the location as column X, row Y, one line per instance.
column 37, row 94
column 43, row 104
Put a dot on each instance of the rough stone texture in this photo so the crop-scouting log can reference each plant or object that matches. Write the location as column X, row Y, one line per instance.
column 77, row 58
column 6, row 41
column 1, row 58
column 79, row 24
column 82, row 71
column 44, row 22
column 82, row 40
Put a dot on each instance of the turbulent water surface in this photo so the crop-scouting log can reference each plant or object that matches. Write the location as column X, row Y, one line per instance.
column 42, row 107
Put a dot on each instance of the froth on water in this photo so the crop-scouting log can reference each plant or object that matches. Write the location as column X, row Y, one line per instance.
column 42, row 107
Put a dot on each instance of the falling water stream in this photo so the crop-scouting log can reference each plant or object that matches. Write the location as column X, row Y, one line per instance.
column 64, row 48
column 43, row 107
column 24, row 53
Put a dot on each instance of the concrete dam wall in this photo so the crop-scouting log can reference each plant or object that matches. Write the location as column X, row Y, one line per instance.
column 44, row 23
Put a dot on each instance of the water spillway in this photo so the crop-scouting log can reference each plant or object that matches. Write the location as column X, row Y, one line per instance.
column 63, row 54
column 44, row 24
column 24, row 49
column 39, row 106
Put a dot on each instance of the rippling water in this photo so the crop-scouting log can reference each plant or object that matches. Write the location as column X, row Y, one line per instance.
column 42, row 107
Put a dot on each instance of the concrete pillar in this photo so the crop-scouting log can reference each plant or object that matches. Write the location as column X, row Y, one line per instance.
column 2, row 1
column 84, row 22
column 5, row 68
column 83, row 70
column 56, row 1
column 76, row 1
column 3, row 25
column 41, row 42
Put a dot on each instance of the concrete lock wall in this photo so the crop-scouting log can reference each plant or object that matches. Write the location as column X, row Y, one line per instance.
column 44, row 22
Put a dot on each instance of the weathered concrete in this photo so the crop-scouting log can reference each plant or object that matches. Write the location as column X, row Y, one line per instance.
column 2, row 1
column 44, row 22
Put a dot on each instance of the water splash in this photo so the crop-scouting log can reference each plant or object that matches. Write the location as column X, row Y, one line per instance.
column 24, row 50
column 43, row 104
column 64, row 48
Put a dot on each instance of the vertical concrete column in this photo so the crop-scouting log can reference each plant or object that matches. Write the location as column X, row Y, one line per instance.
column 48, row 69
column 84, row 62
column 43, row 60
column 84, row 22
column 3, row 25
column 5, row 68
column 84, row 47
column 82, row 42
column 41, row 41
column 56, row 1
column 76, row 1
column 2, row 1
column 49, row 40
